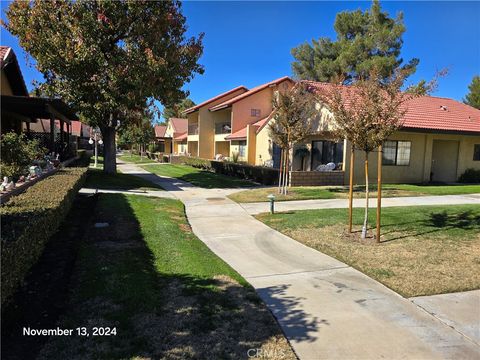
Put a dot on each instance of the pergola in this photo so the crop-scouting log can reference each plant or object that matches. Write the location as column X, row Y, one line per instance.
column 30, row 109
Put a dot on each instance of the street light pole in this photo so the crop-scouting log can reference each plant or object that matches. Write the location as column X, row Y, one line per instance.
column 97, row 141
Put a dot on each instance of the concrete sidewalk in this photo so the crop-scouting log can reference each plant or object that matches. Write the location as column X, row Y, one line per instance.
column 159, row 193
column 260, row 207
column 327, row 309
column 455, row 310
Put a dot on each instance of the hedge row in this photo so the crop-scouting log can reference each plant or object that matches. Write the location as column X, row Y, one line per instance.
column 260, row 174
column 29, row 220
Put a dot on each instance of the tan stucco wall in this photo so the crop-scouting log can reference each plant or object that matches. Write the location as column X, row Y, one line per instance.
column 222, row 147
column 263, row 150
column 193, row 148
column 419, row 169
column 206, row 128
column 241, row 110
column 180, row 147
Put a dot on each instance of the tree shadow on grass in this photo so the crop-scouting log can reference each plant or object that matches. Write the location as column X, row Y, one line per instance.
column 176, row 314
column 442, row 221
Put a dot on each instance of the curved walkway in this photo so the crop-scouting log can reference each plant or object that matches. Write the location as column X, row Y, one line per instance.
column 327, row 309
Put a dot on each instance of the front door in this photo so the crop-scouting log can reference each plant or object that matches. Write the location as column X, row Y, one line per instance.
column 444, row 160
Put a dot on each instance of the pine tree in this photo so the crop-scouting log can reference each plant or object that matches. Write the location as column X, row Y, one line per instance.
column 365, row 40
column 473, row 97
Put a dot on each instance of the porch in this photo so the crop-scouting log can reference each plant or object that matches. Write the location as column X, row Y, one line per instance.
column 25, row 111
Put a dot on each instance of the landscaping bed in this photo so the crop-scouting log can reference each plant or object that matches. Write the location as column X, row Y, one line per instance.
column 341, row 192
column 198, row 177
column 164, row 292
column 425, row 250
column 29, row 219
column 260, row 174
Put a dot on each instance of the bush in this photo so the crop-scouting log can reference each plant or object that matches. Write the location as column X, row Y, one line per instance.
column 152, row 148
column 29, row 220
column 18, row 153
column 260, row 174
column 470, row 176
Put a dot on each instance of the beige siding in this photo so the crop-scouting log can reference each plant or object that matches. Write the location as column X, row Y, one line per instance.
column 263, row 150
column 420, row 165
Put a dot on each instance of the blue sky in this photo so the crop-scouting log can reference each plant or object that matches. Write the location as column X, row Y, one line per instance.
column 248, row 43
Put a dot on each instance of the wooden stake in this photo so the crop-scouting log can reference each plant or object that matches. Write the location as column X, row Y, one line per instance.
column 350, row 193
column 379, row 191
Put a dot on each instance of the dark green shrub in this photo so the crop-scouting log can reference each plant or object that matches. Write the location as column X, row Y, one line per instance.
column 18, row 153
column 30, row 219
column 152, row 148
column 260, row 174
column 470, row 176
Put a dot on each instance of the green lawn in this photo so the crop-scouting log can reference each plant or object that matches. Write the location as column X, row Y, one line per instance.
column 425, row 250
column 97, row 179
column 136, row 159
column 341, row 192
column 198, row 177
column 166, row 294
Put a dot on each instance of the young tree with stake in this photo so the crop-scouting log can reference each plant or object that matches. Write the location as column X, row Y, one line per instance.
column 368, row 112
column 293, row 111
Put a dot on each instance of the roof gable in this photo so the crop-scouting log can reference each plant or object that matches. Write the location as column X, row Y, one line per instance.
column 11, row 68
column 250, row 92
column 218, row 97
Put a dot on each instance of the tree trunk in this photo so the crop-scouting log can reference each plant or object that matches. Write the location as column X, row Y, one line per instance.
column 379, row 191
column 350, row 192
column 280, row 173
column 365, row 220
column 109, row 150
column 285, row 172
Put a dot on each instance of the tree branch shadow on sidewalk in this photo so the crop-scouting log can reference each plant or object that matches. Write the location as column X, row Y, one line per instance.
column 176, row 313
column 296, row 323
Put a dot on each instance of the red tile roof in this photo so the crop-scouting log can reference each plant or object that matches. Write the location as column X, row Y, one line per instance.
column 428, row 112
column 196, row 107
column 160, row 131
column 242, row 133
column 179, row 125
column 250, row 92
column 182, row 137
column 238, row 135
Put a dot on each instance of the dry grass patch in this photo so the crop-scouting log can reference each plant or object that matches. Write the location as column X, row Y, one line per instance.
column 424, row 250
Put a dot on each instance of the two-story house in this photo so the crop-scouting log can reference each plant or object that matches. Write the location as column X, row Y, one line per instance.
column 230, row 122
